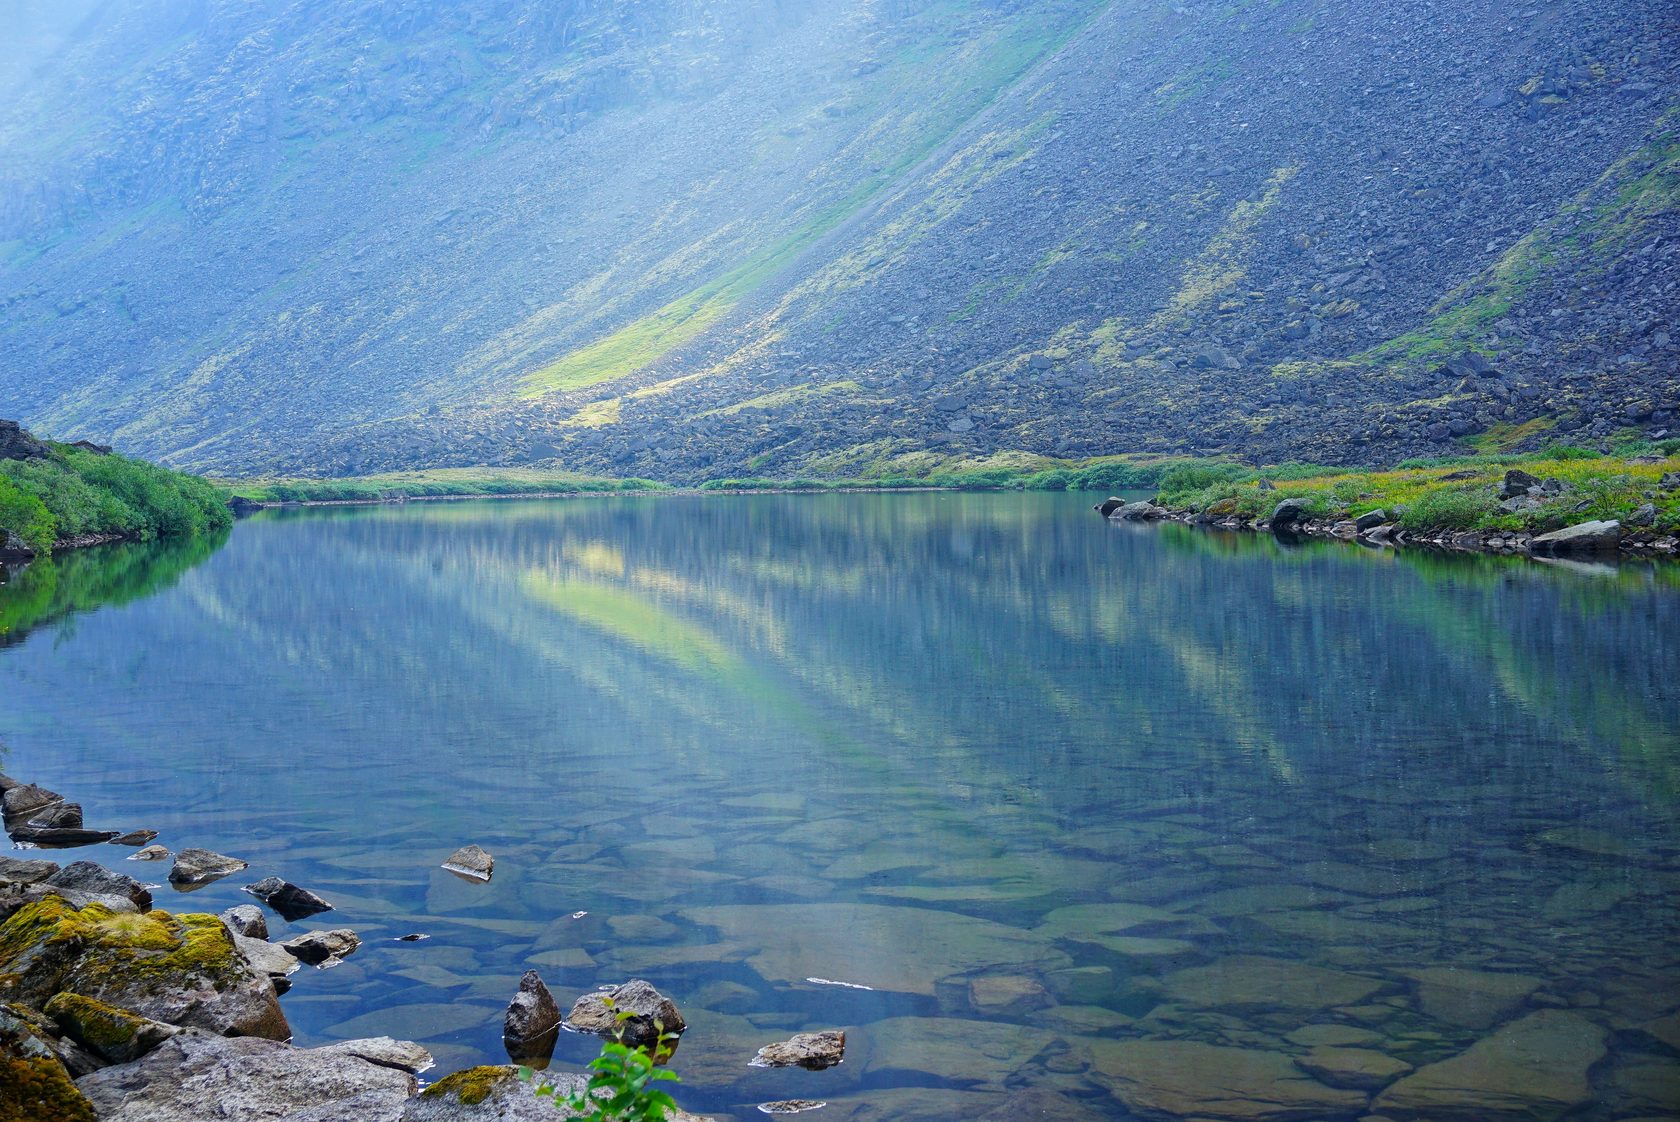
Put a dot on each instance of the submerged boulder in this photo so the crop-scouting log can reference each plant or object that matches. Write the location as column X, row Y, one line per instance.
column 651, row 1015
column 1188, row 1079
column 181, row 970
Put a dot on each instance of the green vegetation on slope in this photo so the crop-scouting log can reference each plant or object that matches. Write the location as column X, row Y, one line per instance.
column 430, row 484
column 74, row 493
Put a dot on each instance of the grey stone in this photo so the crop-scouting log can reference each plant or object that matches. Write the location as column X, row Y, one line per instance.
column 85, row 876
column 530, row 1025
column 198, row 1076
column 1288, row 512
column 319, row 948
column 1584, row 537
column 652, row 1014
column 1370, row 520
column 150, row 853
column 26, row 799
column 292, row 902
column 471, row 861
column 195, row 867
column 1170, row 1079
column 247, row 920
column 813, row 1051
column 135, row 837
column 18, row 870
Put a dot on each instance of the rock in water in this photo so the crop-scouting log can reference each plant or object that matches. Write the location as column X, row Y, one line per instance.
column 246, row 920
column 150, row 853
column 1288, row 512
column 199, row 1076
column 532, row 1024
column 791, row 1106
column 471, row 861
column 181, row 970
column 59, row 816
column 25, row 800
column 497, row 1094
column 85, row 876
column 1188, row 1079
column 652, row 1015
column 813, row 1051
column 1584, row 537
column 1107, row 507
column 135, row 837
column 292, row 902
column 195, row 867
column 1532, row 1070
column 319, row 948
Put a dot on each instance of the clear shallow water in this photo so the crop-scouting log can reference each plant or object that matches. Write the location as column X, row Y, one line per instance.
column 1059, row 791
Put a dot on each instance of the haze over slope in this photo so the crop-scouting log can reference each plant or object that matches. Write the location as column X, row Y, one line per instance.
column 691, row 237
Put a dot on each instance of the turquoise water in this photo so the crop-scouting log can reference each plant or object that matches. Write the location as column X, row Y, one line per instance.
column 1112, row 821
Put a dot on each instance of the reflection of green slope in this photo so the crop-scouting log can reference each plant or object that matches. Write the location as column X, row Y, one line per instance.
column 640, row 623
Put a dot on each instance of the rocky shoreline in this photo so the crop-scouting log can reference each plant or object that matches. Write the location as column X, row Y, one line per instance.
column 1596, row 538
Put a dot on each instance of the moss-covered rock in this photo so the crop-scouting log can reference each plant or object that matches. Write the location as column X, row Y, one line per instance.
column 180, row 970
column 112, row 1034
column 34, row 1085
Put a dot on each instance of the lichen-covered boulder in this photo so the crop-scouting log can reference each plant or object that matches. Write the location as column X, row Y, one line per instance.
column 181, row 970
column 34, row 1086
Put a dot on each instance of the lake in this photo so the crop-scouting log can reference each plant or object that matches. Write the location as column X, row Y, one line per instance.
column 1111, row 821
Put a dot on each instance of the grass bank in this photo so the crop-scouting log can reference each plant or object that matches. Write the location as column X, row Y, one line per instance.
column 436, row 483
column 70, row 495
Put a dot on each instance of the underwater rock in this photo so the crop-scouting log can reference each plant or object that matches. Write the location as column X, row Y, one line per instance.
column 1532, row 1070
column 196, row 867
column 1475, row 999
column 813, row 1051
column 1251, row 980
column 471, row 861
column 652, row 1014
column 1358, row 1068
column 293, row 903
column 1171, row 1079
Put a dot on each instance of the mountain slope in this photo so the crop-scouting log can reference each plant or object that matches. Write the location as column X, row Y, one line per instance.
column 727, row 236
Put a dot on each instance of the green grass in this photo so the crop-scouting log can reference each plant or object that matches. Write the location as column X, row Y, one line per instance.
column 439, row 482
column 83, row 493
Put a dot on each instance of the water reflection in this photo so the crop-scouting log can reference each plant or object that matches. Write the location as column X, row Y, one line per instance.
column 1081, row 804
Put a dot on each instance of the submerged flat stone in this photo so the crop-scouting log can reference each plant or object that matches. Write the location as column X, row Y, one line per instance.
column 1251, row 980
column 1175, row 1079
column 905, row 950
column 1474, row 999
column 1532, row 1070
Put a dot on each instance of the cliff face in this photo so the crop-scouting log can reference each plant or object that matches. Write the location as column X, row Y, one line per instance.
column 723, row 236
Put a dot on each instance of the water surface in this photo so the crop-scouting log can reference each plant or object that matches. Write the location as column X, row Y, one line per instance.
column 1080, row 803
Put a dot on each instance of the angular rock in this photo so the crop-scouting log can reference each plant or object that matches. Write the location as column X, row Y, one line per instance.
column 813, row 1051
column 17, row 870
column 196, row 1075
column 1136, row 512
column 59, row 816
column 150, row 853
column 181, row 970
column 1532, row 1070
column 1109, row 505
column 651, row 1015
column 1288, row 512
column 1584, row 537
column 85, row 876
column 264, row 957
column 471, row 861
column 34, row 1085
column 1517, row 484
column 1475, row 999
column 16, row 443
column 247, row 920
column 1358, row 1068
column 135, row 837
column 59, row 836
column 194, row 867
column 532, row 1022
column 26, row 799
column 114, row 1035
column 321, row 947
column 1370, row 520
column 293, row 903
column 1172, row 1079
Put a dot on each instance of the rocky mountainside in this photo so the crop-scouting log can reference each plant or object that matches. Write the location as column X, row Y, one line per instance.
column 680, row 238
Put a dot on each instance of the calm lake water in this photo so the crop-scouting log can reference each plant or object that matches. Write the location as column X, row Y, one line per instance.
column 1113, row 822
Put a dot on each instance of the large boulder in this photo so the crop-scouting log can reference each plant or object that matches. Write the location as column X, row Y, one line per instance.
column 95, row 880
column 651, row 1015
column 114, row 1035
column 1288, row 512
column 198, row 1076
column 21, row 870
column 813, row 1051
column 1584, row 537
column 1532, row 1070
column 181, row 970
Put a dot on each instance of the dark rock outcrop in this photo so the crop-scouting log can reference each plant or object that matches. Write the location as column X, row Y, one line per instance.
column 292, row 902
column 17, row 444
column 531, row 1025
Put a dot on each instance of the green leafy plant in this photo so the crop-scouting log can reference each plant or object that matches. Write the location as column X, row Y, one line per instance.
column 622, row 1080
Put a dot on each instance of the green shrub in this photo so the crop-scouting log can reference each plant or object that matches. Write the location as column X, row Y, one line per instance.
column 27, row 516
column 1199, row 476
column 1455, row 509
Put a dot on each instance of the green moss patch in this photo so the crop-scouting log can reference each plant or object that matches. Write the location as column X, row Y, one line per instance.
column 473, row 1085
